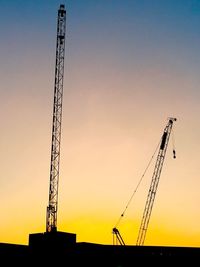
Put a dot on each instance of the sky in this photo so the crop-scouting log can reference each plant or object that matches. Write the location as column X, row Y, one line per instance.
column 129, row 66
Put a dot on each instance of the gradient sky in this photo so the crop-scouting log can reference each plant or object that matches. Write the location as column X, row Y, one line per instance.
column 129, row 66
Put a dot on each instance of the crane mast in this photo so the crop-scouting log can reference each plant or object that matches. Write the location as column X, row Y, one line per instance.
column 51, row 216
column 154, row 182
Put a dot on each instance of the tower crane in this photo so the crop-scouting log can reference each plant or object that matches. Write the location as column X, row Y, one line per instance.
column 51, row 215
column 54, row 241
column 154, row 182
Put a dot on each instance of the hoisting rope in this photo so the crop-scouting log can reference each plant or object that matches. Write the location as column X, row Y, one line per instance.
column 129, row 201
column 173, row 145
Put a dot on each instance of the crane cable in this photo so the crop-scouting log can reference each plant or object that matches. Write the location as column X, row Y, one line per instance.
column 173, row 145
column 129, row 201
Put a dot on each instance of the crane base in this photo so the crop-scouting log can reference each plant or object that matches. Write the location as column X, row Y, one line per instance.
column 52, row 241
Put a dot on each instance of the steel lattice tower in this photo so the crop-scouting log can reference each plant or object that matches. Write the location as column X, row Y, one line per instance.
column 154, row 182
column 51, row 217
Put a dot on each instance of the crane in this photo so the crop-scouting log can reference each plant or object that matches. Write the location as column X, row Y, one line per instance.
column 154, row 182
column 53, row 241
column 52, row 208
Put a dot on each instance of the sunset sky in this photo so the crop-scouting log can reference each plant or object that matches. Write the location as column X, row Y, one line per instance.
column 129, row 66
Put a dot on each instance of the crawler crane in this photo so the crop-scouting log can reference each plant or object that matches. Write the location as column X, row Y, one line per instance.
column 117, row 238
column 154, row 182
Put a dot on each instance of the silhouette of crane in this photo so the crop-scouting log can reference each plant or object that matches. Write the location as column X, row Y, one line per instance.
column 154, row 182
column 117, row 238
column 51, row 216
column 54, row 240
